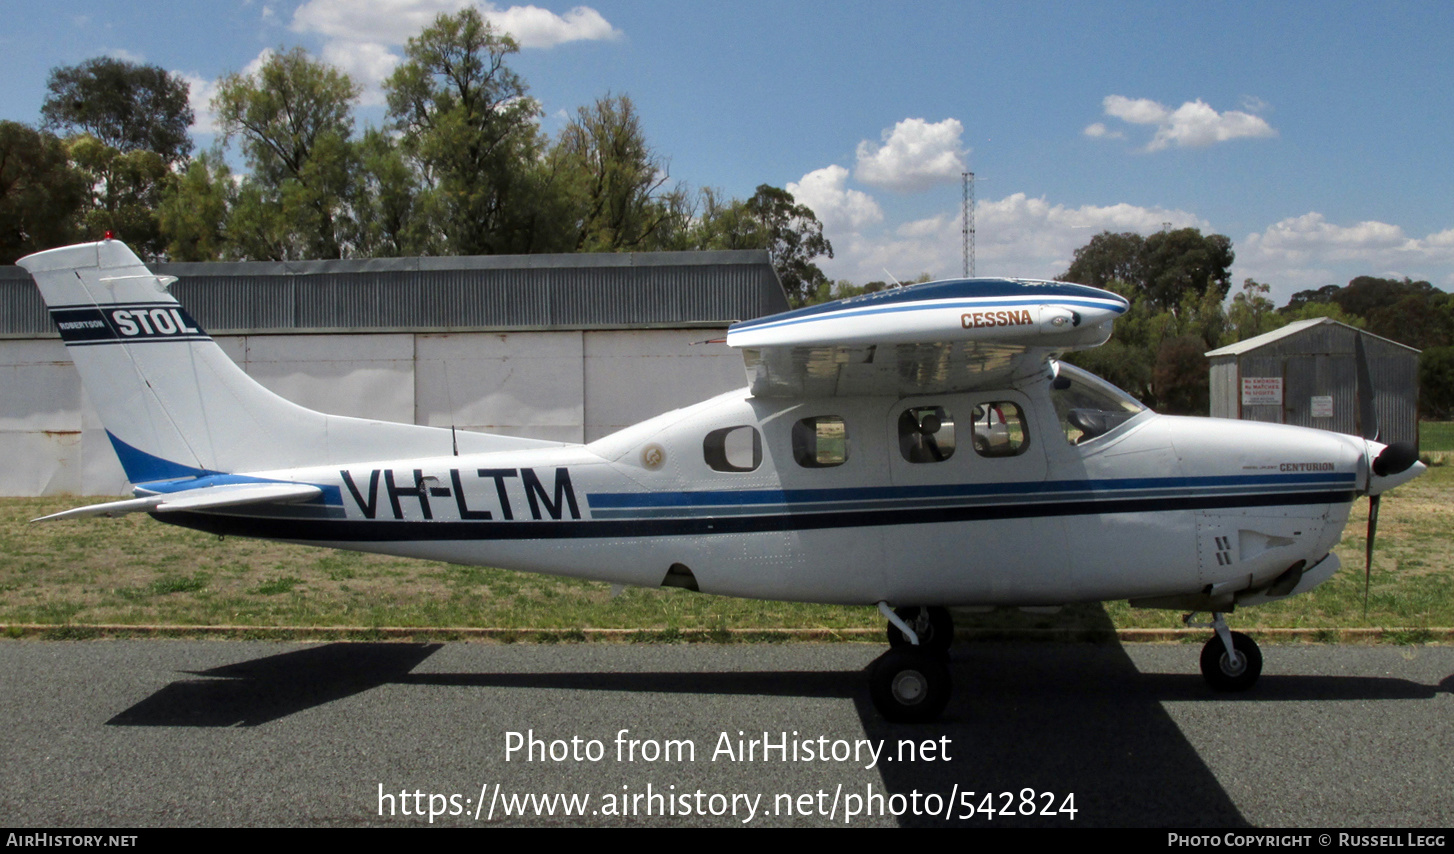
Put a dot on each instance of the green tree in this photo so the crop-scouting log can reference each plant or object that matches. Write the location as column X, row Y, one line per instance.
column 1106, row 259
column 614, row 178
column 1310, row 310
column 390, row 208
column 1252, row 313
column 1182, row 377
column 1436, row 383
column 1365, row 295
column 1129, row 359
column 1416, row 314
column 466, row 120
column 41, row 195
column 795, row 238
column 772, row 220
column 126, row 106
column 193, row 214
column 1163, row 268
column 1185, row 261
column 295, row 117
column 127, row 188
column 1320, row 296
column 1176, row 282
column 1410, row 312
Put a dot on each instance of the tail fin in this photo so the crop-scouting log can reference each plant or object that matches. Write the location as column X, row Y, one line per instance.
column 173, row 404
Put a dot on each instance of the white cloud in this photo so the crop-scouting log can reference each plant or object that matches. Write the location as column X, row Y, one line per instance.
column 1297, row 238
column 201, row 91
column 388, row 22
column 1254, row 104
column 1308, row 252
column 915, row 156
column 837, row 207
column 1100, row 131
column 125, row 55
column 1140, row 111
column 366, row 40
column 366, row 63
column 1192, row 125
column 1014, row 236
column 535, row 27
column 258, row 62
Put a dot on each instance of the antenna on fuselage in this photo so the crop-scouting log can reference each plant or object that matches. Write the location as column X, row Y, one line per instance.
column 449, row 395
column 897, row 283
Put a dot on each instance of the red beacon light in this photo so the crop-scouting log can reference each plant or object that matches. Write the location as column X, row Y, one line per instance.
column 110, row 235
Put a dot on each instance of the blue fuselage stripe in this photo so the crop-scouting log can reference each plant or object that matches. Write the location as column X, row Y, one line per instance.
column 795, row 519
column 1046, row 489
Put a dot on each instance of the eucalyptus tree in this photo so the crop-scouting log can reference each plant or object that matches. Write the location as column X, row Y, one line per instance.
column 294, row 117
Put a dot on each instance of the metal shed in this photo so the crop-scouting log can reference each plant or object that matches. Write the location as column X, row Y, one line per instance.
column 1306, row 374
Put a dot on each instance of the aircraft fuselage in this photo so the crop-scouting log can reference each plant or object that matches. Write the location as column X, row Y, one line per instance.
column 736, row 496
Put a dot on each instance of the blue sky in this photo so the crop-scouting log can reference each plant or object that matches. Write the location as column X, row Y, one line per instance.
column 1317, row 136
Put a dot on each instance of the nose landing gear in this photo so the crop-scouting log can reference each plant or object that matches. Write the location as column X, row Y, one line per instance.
column 1231, row 661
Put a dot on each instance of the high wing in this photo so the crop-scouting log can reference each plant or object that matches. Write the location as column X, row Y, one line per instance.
column 932, row 338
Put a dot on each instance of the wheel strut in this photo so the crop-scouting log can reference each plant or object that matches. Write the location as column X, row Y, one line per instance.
column 897, row 622
column 1230, row 660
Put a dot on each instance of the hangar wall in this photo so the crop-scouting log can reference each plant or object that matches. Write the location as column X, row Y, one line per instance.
column 564, row 385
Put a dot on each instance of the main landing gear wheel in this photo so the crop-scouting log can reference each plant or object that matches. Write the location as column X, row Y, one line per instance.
column 934, row 626
column 908, row 685
column 1226, row 673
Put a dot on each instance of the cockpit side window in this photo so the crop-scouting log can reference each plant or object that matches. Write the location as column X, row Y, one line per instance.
column 820, row 442
column 733, row 449
column 1088, row 406
column 926, row 434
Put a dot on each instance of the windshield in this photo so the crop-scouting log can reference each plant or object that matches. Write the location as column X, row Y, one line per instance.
column 1088, row 406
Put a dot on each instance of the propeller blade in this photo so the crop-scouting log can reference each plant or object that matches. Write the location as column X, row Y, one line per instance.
column 1373, row 501
column 1367, row 413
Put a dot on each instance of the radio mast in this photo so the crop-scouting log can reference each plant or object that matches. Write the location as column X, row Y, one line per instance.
column 968, row 224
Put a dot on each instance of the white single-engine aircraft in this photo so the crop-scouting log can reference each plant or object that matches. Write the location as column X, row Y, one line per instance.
column 913, row 449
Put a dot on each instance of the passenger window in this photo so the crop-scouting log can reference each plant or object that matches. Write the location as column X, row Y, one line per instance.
column 926, row 434
column 733, row 449
column 820, row 442
column 999, row 430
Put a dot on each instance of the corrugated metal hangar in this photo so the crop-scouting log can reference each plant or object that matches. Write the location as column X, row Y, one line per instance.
column 562, row 347
column 1306, row 373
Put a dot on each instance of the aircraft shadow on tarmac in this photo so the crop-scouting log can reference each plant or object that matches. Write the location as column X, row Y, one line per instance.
column 1048, row 719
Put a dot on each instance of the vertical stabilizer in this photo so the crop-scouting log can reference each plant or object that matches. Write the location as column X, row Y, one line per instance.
column 173, row 403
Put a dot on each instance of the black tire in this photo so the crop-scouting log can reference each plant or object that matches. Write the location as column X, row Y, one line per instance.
column 1219, row 670
column 908, row 686
column 934, row 626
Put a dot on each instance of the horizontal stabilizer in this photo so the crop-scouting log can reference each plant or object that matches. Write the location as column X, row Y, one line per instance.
column 207, row 498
